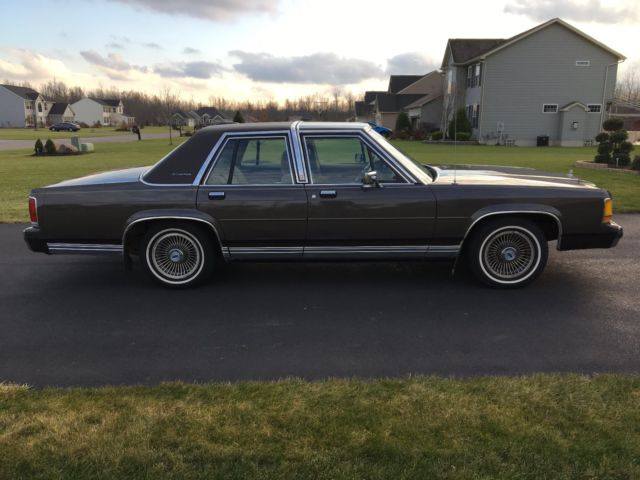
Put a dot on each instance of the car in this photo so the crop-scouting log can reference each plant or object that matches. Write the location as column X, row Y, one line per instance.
column 317, row 191
column 384, row 131
column 65, row 127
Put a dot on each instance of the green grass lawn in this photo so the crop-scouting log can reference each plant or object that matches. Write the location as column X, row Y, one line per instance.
column 536, row 427
column 20, row 172
column 44, row 133
column 624, row 187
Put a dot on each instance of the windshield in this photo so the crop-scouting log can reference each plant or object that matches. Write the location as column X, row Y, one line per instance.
column 422, row 172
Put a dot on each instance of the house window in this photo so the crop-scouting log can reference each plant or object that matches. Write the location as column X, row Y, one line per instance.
column 469, row 75
column 475, row 117
column 40, row 107
column 594, row 108
column 477, row 75
column 550, row 108
column 583, row 63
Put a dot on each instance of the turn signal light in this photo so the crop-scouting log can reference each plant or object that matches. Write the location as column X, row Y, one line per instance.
column 33, row 210
column 608, row 210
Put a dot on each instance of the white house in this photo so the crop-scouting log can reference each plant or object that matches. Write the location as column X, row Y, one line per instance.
column 105, row 111
column 21, row 106
column 60, row 112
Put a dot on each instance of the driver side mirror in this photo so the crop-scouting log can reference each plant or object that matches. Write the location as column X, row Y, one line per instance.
column 370, row 180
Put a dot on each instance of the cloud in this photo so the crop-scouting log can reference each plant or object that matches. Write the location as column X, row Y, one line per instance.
column 587, row 11
column 213, row 10
column 202, row 70
column 113, row 65
column 319, row 68
column 190, row 51
column 152, row 45
column 410, row 63
column 114, row 45
column 24, row 64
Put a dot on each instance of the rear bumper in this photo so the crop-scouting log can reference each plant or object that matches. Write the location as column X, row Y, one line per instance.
column 607, row 237
column 34, row 240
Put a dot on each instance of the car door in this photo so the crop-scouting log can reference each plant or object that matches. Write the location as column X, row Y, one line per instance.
column 347, row 218
column 250, row 191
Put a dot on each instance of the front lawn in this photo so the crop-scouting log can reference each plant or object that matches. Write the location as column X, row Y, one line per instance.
column 44, row 133
column 624, row 187
column 536, row 427
column 20, row 172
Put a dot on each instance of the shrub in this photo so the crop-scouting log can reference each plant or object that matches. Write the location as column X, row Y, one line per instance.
column 602, row 158
column 625, row 147
column 97, row 124
column 463, row 136
column 602, row 137
column 635, row 165
column 238, row 118
column 618, row 136
column 620, row 160
column 403, row 124
column 50, row 147
column 83, row 125
column 613, row 124
column 39, row 147
column 123, row 127
column 437, row 136
column 459, row 124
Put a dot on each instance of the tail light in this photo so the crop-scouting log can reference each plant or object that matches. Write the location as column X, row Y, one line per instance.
column 607, row 211
column 33, row 210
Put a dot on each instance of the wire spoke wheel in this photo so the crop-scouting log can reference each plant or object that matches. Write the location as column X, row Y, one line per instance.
column 509, row 254
column 175, row 255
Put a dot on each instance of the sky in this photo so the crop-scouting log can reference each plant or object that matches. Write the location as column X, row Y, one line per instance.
column 272, row 49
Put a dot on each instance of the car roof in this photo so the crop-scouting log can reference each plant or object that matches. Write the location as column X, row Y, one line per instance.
column 270, row 126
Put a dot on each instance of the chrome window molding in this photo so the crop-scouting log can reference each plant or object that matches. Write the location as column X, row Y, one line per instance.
column 214, row 154
column 301, row 171
column 511, row 212
column 408, row 179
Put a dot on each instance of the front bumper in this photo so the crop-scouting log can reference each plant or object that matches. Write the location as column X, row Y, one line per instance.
column 34, row 240
column 607, row 236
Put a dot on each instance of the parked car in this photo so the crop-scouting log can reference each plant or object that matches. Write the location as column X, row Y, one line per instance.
column 317, row 191
column 384, row 131
column 65, row 127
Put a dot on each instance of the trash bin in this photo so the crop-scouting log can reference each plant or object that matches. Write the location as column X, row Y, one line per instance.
column 542, row 141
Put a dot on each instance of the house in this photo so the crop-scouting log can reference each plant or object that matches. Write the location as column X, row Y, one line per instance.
column 551, row 81
column 210, row 116
column 60, row 112
column 22, row 107
column 185, row 119
column 404, row 91
column 103, row 111
column 201, row 117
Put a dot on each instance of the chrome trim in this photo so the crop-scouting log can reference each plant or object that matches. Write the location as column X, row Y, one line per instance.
column 368, row 249
column 301, row 172
column 511, row 212
column 393, row 164
column 86, row 248
column 172, row 217
column 207, row 166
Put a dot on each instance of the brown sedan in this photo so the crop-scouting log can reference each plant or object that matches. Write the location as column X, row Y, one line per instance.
column 309, row 191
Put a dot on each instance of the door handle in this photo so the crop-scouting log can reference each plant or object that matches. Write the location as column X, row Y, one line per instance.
column 217, row 195
column 328, row 194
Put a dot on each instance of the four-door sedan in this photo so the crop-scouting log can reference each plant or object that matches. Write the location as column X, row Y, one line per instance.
column 311, row 191
column 64, row 127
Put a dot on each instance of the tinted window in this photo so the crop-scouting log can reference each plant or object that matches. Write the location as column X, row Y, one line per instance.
column 262, row 161
column 345, row 160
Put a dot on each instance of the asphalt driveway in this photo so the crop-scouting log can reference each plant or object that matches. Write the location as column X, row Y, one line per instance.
column 72, row 320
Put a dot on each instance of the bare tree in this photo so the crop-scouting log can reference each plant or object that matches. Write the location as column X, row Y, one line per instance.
column 170, row 103
column 628, row 86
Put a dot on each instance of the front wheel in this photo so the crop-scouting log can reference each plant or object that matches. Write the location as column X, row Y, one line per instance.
column 508, row 253
column 177, row 256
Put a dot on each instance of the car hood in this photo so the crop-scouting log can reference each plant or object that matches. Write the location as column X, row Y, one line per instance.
column 505, row 176
column 116, row 176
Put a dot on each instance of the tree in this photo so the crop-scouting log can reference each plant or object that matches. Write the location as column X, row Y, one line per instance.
column 170, row 103
column 403, row 124
column 238, row 118
column 459, row 124
column 613, row 147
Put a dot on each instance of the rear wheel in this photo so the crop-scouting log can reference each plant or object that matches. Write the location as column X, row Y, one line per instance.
column 508, row 253
column 177, row 256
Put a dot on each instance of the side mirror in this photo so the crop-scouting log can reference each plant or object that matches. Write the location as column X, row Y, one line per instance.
column 370, row 180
